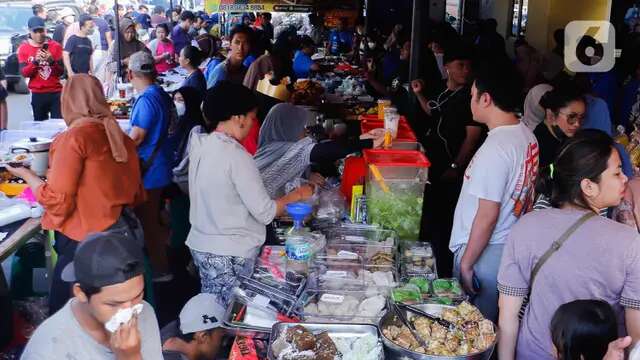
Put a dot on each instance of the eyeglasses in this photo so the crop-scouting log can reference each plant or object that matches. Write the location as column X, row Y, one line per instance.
column 574, row 118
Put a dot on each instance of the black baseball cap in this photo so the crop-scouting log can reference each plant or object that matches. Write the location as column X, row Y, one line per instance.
column 35, row 23
column 104, row 259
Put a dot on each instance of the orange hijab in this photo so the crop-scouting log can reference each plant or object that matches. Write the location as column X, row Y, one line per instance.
column 83, row 100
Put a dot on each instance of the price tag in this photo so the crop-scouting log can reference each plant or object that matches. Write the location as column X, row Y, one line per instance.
column 336, row 274
column 332, row 298
column 347, row 254
column 355, row 238
column 261, row 300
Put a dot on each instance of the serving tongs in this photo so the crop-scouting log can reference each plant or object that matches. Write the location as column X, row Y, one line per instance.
column 439, row 320
column 409, row 325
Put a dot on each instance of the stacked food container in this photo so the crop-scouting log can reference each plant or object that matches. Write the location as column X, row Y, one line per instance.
column 395, row 190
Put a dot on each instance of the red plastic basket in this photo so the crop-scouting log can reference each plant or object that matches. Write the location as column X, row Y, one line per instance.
column 401, row 158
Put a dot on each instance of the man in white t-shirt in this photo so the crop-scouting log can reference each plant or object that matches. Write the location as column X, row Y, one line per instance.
column 498, row 185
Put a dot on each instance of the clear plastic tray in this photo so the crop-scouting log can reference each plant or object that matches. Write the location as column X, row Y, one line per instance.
column 336, row 272
column 418, row 259
column 355, row 233
column 342, row 306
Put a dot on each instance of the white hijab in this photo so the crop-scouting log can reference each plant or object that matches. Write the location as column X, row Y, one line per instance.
column 534, row 113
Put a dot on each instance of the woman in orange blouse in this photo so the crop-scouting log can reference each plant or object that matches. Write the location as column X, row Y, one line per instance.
column 94, row 174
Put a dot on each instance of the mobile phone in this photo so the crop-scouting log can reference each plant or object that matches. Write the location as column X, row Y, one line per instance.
column 45, row 46
column 476, row 283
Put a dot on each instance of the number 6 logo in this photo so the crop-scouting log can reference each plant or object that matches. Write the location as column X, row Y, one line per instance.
column 589, row 46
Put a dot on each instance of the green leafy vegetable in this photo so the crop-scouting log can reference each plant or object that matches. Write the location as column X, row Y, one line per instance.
column 397, row 210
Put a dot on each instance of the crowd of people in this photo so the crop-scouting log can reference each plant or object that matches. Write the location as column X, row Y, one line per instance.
column 524, row 172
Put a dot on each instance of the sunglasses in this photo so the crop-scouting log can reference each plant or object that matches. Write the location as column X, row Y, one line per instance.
column 39, row 31
column 573, row 118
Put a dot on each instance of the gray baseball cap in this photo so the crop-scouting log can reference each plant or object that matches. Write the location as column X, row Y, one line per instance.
column 142, row 62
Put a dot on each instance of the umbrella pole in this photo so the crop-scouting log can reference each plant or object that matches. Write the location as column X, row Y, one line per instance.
column 117, row 40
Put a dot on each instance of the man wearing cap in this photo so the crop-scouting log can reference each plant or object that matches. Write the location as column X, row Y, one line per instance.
column 78, row 49
column 152, row 115
column 197, row 333
column 41, row 62
column 66, row 17
column 107, row 276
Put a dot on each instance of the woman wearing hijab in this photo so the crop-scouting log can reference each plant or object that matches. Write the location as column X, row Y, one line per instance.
column 285, row 153
column 187, row 102
column 94, row 175
column 534, row 114
column 129, row 45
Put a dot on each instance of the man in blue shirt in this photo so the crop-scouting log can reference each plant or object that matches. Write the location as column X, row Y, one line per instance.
column 232, row 68
column 152, row 117
column 302, row 63
column 180, row 33
column 143, row 17
column 340, row 40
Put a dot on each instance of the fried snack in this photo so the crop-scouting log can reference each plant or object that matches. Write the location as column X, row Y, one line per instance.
column 473, row 333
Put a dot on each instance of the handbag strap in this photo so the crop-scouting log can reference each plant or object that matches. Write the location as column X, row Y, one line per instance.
column 556, row 245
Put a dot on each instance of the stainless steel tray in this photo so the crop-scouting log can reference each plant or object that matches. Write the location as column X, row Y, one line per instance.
column 337, row 330
column 238, row 328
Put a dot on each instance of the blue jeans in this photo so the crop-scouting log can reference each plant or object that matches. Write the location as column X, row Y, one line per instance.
column 486, row 270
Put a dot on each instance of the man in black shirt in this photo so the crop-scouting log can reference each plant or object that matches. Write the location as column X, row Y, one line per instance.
column 78, row 49
column 66, row 17
column 451, row 139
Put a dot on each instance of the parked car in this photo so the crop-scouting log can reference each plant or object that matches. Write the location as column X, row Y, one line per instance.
column 13, row 23
column 14, row 16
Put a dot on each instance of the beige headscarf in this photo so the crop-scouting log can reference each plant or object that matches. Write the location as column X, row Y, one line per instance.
column 83, row 101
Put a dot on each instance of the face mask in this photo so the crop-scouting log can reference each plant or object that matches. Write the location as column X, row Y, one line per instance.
column 180, row 108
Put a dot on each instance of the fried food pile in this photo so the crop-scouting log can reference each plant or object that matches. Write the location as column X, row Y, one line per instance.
column 473, row 333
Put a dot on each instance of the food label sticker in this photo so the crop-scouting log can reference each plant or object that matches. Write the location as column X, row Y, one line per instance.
column 336, row 274
column 355, row 238
column 332, row 298
column 261, row 300
column 347, row 254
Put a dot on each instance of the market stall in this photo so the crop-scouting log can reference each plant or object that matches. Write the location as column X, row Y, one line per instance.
column 349, row 278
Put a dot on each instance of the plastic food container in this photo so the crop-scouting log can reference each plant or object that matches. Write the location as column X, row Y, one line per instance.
column 336, row 272
column 342, row 306
column 418, row 260
column 360, row 233
column 395, row 190
column 405, row 133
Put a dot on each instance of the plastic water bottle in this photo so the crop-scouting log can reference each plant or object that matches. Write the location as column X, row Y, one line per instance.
column 298, row 242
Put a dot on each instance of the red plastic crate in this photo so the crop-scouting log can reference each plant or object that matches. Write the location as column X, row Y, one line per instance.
column 409, row 158
column 355, row 172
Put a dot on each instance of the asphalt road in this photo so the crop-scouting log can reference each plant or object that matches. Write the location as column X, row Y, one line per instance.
column 19, row 109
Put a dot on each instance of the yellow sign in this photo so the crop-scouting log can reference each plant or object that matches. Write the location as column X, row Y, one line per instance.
column 212, row 6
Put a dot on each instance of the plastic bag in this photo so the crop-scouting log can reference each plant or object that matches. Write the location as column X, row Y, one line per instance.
column 332, row 204
column 295, row 184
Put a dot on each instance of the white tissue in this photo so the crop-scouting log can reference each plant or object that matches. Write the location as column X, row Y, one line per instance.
column 122, row 317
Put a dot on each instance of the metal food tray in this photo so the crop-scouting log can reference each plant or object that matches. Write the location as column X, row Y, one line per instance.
column 241, row 329
column 338, row 330
column 287, row 301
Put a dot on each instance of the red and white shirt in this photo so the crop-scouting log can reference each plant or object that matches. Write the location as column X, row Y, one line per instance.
column 44, row 77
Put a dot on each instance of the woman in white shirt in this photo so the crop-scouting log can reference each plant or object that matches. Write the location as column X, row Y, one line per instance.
column 229, row 204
